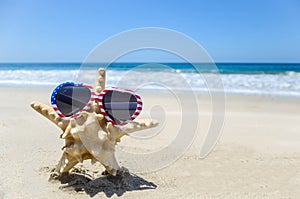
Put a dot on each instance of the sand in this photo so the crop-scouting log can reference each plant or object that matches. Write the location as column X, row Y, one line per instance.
column 257, row 156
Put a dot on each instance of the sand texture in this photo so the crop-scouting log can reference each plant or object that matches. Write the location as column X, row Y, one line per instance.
column 257, row 156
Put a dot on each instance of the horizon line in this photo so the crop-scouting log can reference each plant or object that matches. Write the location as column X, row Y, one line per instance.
column 152, row 62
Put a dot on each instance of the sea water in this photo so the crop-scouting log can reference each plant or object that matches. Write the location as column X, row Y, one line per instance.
column 270, row 79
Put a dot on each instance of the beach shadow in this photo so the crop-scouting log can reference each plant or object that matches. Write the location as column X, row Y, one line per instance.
column 107, row 184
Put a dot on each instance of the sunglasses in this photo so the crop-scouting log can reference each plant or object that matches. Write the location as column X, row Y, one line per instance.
column 118, row 106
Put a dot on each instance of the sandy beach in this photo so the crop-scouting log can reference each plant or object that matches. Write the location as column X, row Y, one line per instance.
column 257, row 156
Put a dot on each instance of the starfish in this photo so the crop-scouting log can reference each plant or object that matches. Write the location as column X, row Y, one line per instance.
column 90, row 135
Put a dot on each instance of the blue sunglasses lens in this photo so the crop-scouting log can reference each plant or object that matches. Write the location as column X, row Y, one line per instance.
column 72, row 99
column 119, row 106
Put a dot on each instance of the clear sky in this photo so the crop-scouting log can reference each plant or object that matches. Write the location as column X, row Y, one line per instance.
column 230, row 31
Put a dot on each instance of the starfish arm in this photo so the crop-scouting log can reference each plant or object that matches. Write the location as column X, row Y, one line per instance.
column 99, row 86
column 138, row 124
column 65, row 164
column 100, row 81
column 110, row 163
column 49, row 113
column 111, row 170
column 115, row 132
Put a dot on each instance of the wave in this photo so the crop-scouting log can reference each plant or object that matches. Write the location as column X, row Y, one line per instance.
column 35, row 77
column 286, row 84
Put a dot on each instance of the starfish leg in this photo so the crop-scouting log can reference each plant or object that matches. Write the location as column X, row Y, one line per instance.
column 139, row 124
column 65, row 164
column 100, row 81
column 116, row 132
column 49, row 113
column 99, row 86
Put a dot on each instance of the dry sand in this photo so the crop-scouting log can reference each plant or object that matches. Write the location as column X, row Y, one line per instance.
column 257, row 156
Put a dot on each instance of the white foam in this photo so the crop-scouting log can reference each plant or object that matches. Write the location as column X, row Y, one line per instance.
column 35, row 77
column 287, row 84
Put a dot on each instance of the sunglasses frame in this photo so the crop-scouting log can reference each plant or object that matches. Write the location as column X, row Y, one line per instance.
column 98, row 98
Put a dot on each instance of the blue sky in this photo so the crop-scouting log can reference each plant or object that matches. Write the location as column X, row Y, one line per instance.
column 230, row 31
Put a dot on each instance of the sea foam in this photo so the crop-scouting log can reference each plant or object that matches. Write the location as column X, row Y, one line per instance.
column 285, row 84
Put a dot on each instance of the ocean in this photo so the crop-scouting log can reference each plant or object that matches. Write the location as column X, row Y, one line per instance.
column 268, row 79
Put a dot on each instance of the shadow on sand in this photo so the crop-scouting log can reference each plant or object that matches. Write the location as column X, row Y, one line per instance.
column 107, row 184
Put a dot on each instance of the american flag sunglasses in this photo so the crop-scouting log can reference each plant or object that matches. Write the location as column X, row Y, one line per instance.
column 119, row 106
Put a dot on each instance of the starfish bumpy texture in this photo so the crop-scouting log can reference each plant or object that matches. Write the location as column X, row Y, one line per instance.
column 90, row 135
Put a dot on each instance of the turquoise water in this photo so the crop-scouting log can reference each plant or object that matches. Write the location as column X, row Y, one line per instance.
column 223, row 68
column 242, row 78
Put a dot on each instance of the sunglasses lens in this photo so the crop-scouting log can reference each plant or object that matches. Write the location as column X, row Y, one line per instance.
column 120, row 106
column 72, row 99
